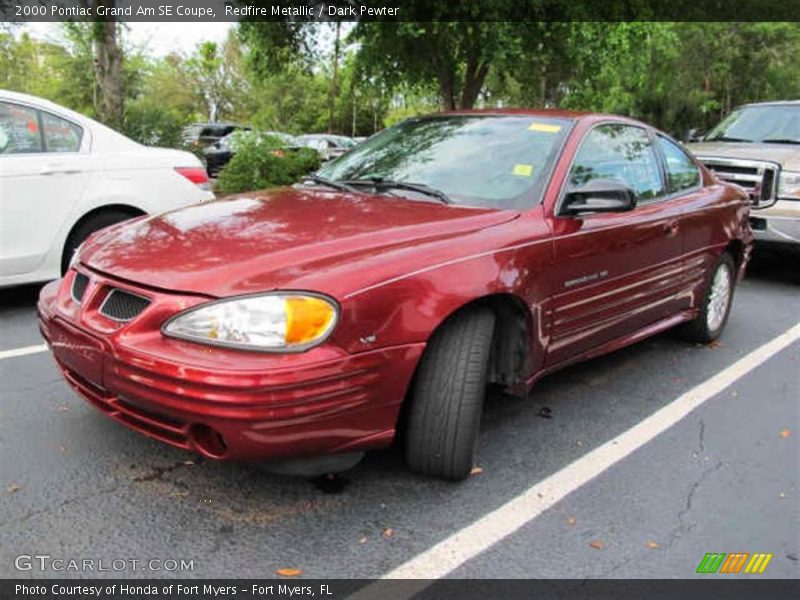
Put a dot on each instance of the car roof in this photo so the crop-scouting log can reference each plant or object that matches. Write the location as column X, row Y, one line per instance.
column 324, row 136
column 102, row 136
column 552, row 113
column 532, row 112
column 44, row 104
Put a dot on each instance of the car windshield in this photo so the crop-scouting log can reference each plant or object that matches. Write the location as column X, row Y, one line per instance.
column 475, row 160
column 776, row 123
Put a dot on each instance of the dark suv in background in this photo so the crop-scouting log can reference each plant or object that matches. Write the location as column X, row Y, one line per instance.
column 200, row 135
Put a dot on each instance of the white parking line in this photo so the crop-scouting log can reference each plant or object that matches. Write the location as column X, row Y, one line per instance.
column 454, row 551
column 23, row 351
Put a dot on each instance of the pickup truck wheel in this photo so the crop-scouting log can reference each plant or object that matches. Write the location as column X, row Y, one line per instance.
column 86, row 228
column 448, row 394
column 716, row 303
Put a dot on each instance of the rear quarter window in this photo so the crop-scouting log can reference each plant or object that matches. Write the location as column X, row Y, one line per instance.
column 60, row 135
column 682, row 172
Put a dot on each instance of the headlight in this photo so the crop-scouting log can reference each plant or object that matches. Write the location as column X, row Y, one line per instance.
column 278, row 322
column 789, row 185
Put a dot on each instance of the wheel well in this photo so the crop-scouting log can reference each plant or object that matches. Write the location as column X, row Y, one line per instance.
column 123, row 208
column 736, row 249
column 510, row 360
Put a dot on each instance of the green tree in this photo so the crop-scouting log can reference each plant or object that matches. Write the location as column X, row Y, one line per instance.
column 455, row 56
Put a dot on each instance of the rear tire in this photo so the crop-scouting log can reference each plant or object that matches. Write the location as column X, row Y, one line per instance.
column 448, row 395
column 715, row 305
column 88, row 227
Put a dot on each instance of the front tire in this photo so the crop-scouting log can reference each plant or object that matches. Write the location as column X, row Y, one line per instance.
column 448, row 395
column 715, row 305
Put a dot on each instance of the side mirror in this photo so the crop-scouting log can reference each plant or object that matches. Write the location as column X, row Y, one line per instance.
column 694, row 135
column 599, row 196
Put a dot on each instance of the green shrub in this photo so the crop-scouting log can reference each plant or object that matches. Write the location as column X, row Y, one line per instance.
column 262, row 162
column 153, row 125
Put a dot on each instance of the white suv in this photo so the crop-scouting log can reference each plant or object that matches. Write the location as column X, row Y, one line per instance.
column 63, row 176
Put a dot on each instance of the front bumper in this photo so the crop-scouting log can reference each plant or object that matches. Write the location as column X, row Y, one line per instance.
column 224, row 404
column 780, row 223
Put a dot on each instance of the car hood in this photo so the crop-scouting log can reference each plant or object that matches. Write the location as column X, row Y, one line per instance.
column 786, row 155
column 267, row 240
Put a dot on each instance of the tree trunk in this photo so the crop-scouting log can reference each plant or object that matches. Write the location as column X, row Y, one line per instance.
column 473, row 82
column 332, row 100
column 108, row 70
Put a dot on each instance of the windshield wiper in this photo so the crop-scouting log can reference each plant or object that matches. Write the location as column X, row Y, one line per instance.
column 381, row 183
column 780, row 141
column 722, row 138
column 336, row 185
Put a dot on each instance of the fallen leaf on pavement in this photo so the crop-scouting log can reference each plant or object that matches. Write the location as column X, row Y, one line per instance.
column 785, row 433
column 597, row 545
column 13, row 488
column 652, row 545
column 476, row 471
column 571, row 521
column 388, row 532
column 289, row 572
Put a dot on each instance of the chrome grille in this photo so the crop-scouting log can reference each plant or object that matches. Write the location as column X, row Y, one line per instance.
column 79, row 285
column 120, row 305
column 758, row 178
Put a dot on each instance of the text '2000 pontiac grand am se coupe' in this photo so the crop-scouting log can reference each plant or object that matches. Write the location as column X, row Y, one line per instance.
column 442, row 256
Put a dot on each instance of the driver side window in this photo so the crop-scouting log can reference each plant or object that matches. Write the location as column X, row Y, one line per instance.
column 621, row 153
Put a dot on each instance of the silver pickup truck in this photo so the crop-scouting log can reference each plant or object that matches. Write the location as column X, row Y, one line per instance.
column 757, row 147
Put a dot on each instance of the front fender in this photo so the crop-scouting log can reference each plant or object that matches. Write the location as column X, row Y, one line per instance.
column 408, row 308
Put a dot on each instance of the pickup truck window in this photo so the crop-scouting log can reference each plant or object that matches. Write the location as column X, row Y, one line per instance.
column 620, row 152
column 682, row 173
column 768, row 123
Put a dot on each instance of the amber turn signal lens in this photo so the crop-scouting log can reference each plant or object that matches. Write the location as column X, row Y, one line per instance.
column 307, row 318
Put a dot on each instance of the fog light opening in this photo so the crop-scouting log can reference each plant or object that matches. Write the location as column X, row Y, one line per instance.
column 208, row 441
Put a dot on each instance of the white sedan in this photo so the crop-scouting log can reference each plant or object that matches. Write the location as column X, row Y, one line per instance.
column 63, row 176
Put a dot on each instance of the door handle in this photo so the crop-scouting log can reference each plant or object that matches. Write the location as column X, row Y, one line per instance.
column 58, row 171
column 671, row 228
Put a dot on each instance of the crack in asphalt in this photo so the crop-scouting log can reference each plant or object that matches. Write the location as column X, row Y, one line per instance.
column 702, row 449
column 682, row 526
column 75, row 499
column 156, row 474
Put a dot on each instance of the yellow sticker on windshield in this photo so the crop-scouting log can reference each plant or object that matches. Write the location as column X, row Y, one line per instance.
column 545, row 127
column 523, row 170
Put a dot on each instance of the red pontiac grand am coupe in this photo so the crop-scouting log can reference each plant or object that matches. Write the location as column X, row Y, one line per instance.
column 443, row 255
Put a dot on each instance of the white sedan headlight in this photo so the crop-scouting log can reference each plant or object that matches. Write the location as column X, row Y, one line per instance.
column 277, row 322
column 789, row 185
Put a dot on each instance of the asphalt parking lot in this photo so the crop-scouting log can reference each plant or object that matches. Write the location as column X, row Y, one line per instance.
column 725, row 478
